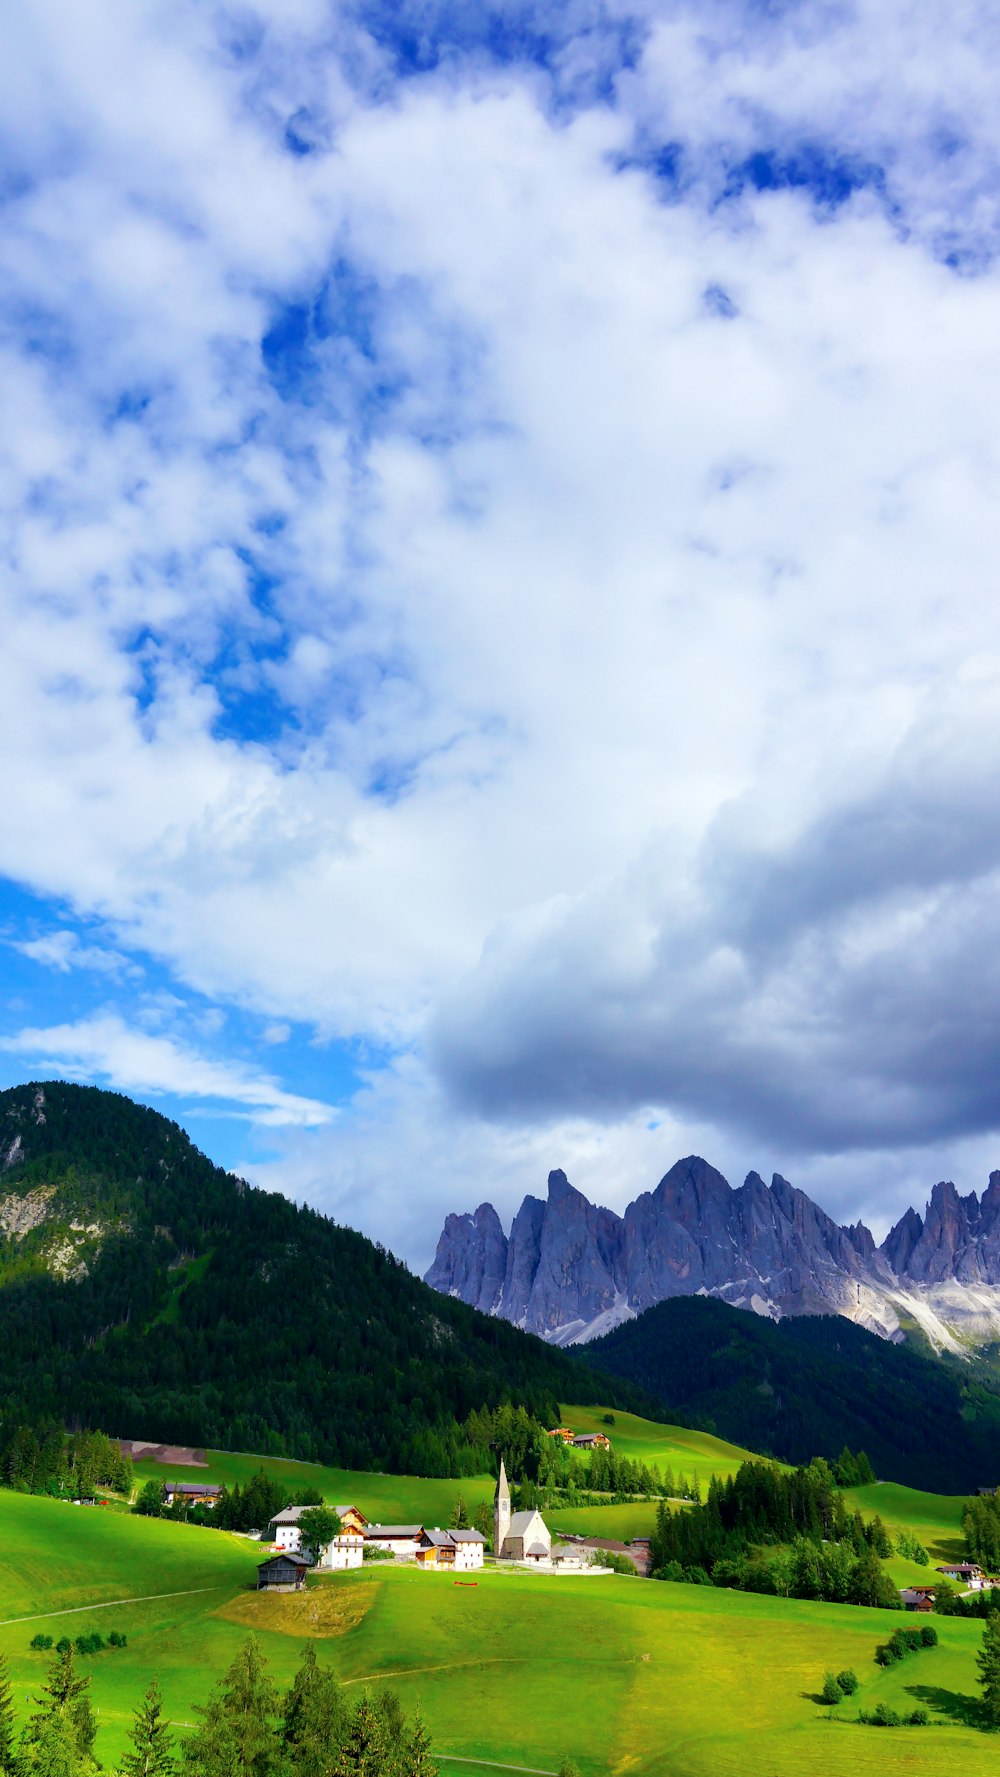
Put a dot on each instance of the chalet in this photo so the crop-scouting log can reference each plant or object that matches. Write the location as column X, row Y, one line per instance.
column 562, row 1432
column 967, row 1573
column 592, row 1440
column 396, row 1539
column 191, row 1493
column 283, row 1573
column 917, row 1597
column 436, row 1549
column 346, row 1550
column 459, row 1550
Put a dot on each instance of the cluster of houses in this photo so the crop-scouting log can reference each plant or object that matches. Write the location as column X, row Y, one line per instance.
column 523, row 1538
column 589, row 1440
column 457, row 1550
column 964, row 1573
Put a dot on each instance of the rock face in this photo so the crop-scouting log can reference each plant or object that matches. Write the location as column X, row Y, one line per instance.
column 570, row 1270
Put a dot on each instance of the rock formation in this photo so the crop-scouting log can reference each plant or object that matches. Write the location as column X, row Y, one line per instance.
column 570, row 1270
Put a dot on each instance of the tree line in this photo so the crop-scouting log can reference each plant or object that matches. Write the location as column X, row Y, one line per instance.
column 767, row 1531
column 41, row 1457
column 246, row 1729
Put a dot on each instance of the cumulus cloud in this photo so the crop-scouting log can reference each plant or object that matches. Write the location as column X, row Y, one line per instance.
column 105, row 1049
column 500, row 524
column 62, row 950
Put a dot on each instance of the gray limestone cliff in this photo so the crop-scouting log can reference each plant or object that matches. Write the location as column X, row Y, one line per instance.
column 570, row 1270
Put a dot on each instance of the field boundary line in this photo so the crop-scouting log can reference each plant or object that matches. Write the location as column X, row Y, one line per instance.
column 75, row 1610
column 490, row 1764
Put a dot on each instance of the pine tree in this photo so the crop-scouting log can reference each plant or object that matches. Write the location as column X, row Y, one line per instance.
column 236, row 1738
column 364, row 1753
column 64, row 1700
column 988, row 1661
column 315, row 1717
column 460, row 1515
column 8, row 1762
column 417, row 1760
column 152, row 1754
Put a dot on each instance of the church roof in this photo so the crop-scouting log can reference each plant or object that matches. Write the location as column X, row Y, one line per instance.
column 537, row 1549
column 521, row 1522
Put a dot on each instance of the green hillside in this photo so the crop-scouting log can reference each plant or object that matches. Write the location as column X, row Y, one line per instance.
column 625, row 1676
column 145, row 1290
column 807, row 1386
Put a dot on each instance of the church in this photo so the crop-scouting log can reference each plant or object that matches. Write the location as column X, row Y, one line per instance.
column 518, row 1536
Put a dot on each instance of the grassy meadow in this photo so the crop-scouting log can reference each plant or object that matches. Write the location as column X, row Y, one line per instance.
column 624, row 1675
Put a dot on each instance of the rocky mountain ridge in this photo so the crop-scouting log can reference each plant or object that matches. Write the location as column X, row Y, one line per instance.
column 571, row 1271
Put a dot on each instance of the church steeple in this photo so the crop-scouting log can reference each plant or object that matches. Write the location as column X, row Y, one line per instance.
column 501, row 1512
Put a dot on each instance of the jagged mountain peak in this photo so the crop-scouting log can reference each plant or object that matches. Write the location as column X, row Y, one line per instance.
column 572, row 1270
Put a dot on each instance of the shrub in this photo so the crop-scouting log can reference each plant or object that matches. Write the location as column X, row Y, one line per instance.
column 117, row 1639
column 848, row 1682
column 696, row 1576
column 886, row 1654
column 671, row 1570
column 928, row 1636
column 919, row 1718
column 831, row 1692
column 63, row 1645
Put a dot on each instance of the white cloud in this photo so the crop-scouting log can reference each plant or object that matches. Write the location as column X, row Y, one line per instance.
column 642, row 619
column 105, row 1049
column 62, row 950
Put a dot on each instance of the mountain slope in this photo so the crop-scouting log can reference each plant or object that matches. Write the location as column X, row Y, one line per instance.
column 570, row 1271
column 147, row 1291
column 808, row 1386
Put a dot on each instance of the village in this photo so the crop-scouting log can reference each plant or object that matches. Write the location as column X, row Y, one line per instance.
column 520, row 1538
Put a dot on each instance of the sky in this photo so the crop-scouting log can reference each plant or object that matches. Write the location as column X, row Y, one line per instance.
column 501, row 637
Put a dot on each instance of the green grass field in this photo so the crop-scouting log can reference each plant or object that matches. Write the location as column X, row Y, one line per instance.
column 626, row 1676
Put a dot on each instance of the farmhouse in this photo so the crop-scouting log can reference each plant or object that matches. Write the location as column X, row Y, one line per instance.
column 968, row 1573
column 562, row 1432
column 346, row 1550
column 283, row 1573
column 592, row 1440
column 917, row 1597
column 396, row 1539
column 191, row 1493
column 460, row 1550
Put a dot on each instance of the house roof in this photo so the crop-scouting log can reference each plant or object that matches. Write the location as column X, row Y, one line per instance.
column 439, row 1539
column 398, row 1530
column 537, row 1549
column 467, row 1536
column 191, row 1487
column 290, row 1515
column 287, row 1557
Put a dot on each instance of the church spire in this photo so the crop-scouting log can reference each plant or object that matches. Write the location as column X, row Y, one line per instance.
column 501, row 1512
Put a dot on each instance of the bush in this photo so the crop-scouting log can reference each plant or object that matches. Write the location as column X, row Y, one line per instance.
column 117, row 1639
column 89, row 1644
column 886, row 1654
column 928, row 1636
column 831, row 1692
column 696, row 1576
column 919, row 1718
column 671, row 1570
column 63, row 1645
column 848, row 1682
column 41, row 1642
column 370, row 1553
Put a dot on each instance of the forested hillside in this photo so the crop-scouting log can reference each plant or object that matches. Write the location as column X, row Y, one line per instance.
column 145, row 1290
column 804, row 1387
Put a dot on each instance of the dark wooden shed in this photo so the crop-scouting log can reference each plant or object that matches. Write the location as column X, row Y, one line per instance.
column 283, row 1573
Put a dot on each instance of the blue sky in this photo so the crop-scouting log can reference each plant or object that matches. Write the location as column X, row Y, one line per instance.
column 501, row 657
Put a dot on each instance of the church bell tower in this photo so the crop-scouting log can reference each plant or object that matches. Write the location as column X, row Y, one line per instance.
column 501, row 1512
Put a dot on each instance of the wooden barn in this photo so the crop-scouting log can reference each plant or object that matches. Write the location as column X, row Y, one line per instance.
column 285, row 1572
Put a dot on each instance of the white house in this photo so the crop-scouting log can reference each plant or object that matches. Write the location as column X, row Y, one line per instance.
column 470, row 1547
column 284, row 1529
column 346, row 1550
column 396, row 1539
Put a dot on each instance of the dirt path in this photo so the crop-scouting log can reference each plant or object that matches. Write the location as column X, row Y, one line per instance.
column 75, row 1610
